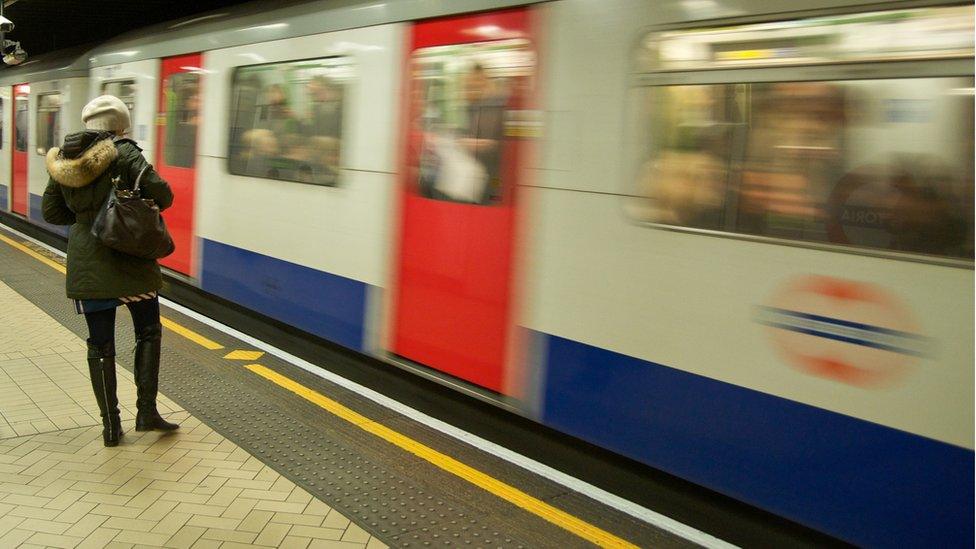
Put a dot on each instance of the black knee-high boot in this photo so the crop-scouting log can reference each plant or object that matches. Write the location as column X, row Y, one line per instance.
column 101, row 368
column 148, row 340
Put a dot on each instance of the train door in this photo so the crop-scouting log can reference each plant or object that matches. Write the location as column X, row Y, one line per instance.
column 467, row 79
column 176, row 150
column 18, row 179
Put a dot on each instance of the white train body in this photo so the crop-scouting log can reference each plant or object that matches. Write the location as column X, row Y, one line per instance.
column 829, row 384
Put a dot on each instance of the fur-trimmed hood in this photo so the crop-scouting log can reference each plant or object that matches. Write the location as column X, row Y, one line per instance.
column 78, row 172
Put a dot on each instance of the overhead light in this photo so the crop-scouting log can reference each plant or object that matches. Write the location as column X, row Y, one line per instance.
column 266, row 27
column 197, row 20
column 195, row 70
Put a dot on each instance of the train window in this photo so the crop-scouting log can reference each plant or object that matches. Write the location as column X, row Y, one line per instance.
column 182, row 111
column 287, row 120
column 20, row 123
column 48, row 121
column 462, row 97
column 884, row 164
column 124, row 90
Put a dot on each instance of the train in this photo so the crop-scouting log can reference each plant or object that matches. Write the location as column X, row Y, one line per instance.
column 729, row 239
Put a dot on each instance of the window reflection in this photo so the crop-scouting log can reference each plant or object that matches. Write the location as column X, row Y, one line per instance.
column 20, row 123
column 884, row 164
column 286, row 120
column 124, row 90
column 462, row 98
column 48, row 122
column 182, row 113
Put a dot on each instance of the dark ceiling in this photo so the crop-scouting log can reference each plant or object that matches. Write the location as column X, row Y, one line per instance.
column 47, row 25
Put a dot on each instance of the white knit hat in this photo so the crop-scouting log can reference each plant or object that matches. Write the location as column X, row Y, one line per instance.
column 106, row 112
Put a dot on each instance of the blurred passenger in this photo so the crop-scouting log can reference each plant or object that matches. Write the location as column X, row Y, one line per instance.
column 182, row 141
column 683, row 186
column 326, row 108
column 923, row 217
column 292, row 156
column 793, row 159
column 325, row 160
column 20, row 123
column 276, row 115
column 684, row 183
column 244, row 107
column 258, row 147
column 484, row 127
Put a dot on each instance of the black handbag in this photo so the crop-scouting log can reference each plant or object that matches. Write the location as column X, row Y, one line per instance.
column 132, row 224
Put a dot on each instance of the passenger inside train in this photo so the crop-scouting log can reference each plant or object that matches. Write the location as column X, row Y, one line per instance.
column 808, row 161
column 288, row 122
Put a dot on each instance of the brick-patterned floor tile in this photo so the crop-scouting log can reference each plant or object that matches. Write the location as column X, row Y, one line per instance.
column 185, row 537
column 60, row 487
column 272, row 534
column 317, row 532
column 54, row 540
column 86, row 525
column 294, row 542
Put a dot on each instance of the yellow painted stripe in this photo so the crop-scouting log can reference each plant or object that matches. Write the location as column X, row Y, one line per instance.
column 486, row 482
column 505, row 491
column 190, row 334
column 47, row 261
column 181, row 330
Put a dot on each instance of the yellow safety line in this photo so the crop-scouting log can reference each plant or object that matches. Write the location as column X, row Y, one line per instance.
column 49, row 262
column 190, row 334
column 181, row 330
column 505, row 491
column 486, row 482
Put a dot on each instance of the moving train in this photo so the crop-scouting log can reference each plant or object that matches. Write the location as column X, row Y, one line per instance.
column 730, row 239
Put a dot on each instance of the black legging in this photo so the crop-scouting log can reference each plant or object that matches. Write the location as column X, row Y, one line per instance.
column 101, row 324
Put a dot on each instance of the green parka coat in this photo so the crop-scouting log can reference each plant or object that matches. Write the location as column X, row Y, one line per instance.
column 75, row 192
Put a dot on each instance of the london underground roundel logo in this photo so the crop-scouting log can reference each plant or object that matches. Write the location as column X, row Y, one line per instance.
column 847, row 331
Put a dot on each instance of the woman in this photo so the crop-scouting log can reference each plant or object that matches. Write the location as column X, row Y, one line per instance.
column 99, row 278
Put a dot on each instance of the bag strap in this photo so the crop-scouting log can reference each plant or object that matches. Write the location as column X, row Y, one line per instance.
column 135, row 188
column 118, row 139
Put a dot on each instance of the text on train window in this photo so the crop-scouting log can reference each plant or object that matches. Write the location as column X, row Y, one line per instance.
column 465, row 101
column 286, row 120
column 48, row 121
column 182, row 93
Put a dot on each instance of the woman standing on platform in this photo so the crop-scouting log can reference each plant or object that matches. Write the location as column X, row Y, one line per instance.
column 99, row 279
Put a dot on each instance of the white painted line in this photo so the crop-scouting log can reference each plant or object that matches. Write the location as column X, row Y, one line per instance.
column 610, row 500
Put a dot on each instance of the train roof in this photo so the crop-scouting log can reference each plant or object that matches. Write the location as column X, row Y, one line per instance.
column 55, row 65
column 254, row 22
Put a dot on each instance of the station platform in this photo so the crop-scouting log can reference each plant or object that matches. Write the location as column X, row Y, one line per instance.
column 269, row 454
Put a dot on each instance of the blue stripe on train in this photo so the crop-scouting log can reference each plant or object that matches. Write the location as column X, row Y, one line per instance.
column 37, row 217
column 321, row 303
column 868, row 484
column 3, row 198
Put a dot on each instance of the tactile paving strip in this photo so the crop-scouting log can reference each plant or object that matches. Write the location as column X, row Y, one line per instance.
column 393, row 495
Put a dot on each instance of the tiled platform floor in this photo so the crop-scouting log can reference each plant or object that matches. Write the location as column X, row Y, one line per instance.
column 59, row 487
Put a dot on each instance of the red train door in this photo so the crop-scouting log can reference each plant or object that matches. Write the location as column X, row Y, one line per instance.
column 467, row 78
column 176, row 150
column 18, row 179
